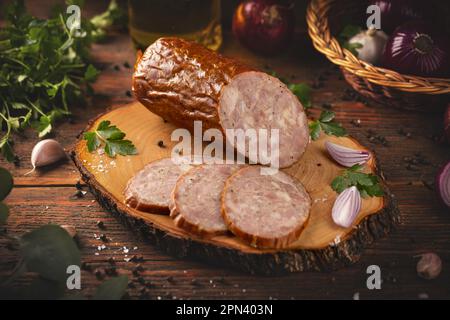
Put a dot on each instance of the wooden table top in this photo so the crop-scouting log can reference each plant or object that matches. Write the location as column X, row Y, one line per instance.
column 48, row 196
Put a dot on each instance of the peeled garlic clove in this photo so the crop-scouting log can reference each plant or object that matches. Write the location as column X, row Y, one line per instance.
column 46, row 152
column 429, row 266
column 345, row 156
column 346, row 207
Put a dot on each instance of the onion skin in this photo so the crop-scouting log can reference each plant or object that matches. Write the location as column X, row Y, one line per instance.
column 415, row 48
column 264, row 26
column 346, row 207
column 397, row 12
column 447, row 123
column 443, row 184
column 345, row 156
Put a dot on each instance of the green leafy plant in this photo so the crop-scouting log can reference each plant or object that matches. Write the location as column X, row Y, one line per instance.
column 367, row 184
column 6, row 185
column 44, row 68
column 111, row 137
column 346, row 34
column 326, row 124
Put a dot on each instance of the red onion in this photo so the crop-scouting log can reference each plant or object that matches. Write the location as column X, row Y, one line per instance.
column 443, row 184
column 346, row 207
column 417, row 49
column 397, row 12
column 447, row 123
column 264, row 26
column 345, row 156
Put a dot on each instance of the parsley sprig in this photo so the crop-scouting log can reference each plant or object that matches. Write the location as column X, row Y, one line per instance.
column 367, row 183
column 327, row 124
column 44, row 68
column 111, row 137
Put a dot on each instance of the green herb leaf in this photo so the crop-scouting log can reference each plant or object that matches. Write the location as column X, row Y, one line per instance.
column 333, row 129
column 112, row 289
column 4, row 213
column 349, row 32
column 326, row 124
column 314, row 130
column 6, row 183
column 346, row 34
column 48, row 251
column 326, row 116
column 367, row 184
column 91, row 73
column 112, row 138
column 43, row 68
column 352, row 47
column 303, row 93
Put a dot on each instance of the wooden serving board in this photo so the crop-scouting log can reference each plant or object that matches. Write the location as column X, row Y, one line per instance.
column 322, row 246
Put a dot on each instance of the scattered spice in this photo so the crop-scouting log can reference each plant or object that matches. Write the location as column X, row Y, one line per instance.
column 116, row 67
column 161, row 144
column 356, row 123
column 99, row 274
column 101, row 225
column 103, row 238
column 128, row 93
column 111, row 261
column 126, row 65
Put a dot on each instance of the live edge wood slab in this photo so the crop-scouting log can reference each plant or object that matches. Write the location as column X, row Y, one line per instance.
column 322, row 245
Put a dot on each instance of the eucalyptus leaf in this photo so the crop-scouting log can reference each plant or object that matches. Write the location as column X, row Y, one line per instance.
column 112, row 289
column 48, row 251
column 6, row 183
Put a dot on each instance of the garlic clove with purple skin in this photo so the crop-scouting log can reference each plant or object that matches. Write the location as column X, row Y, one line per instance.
column 443, row 184
column 46, row 152
column 346, row 207
column 345, row 156
column 429, row 266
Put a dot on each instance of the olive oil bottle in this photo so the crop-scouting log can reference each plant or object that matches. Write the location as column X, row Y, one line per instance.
column 197, row 20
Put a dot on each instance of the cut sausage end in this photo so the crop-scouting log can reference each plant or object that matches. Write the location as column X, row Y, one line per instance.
column 256, row 100
column 150, row 189
column 266, row 211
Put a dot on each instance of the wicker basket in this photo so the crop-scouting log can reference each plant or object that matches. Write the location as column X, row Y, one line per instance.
column 384, row 86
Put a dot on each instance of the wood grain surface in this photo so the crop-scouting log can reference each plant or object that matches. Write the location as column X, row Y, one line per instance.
column 408, row 146
column 109, row 178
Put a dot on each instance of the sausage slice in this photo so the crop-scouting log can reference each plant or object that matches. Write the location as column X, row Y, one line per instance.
column 267, row 211
column 196, row 199
column 149, row 190
column 184, row 82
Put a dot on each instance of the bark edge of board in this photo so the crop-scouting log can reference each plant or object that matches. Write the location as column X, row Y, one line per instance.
column 344, row 253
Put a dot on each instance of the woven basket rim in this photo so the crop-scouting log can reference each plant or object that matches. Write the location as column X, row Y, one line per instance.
column 327, row 44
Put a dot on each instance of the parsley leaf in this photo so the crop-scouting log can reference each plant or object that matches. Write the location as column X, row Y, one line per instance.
column 44, row 68
column 367, row 183
column 111, row 137
column 303, row 93
column 326, row 124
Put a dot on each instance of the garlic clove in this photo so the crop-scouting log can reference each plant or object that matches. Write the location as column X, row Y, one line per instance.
column 429, row 266
column 373, row 43
column 346, row 207
column 345, row 156
column 46, row 152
